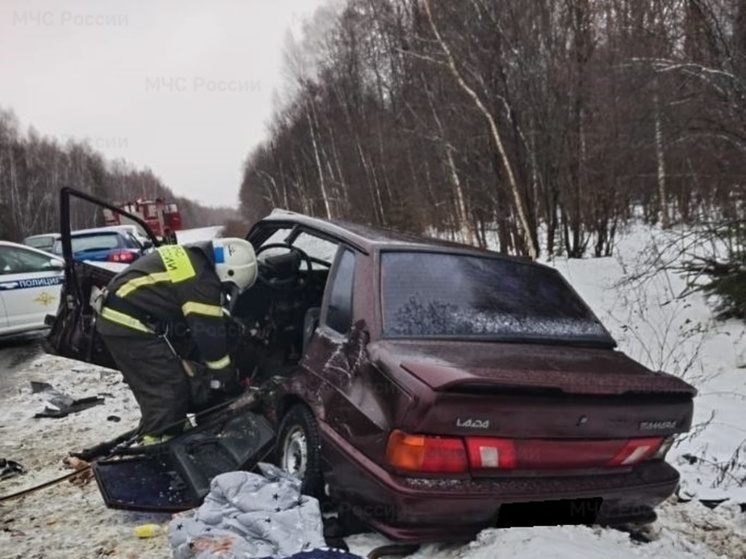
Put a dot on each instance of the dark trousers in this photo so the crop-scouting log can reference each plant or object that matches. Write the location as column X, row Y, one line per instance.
column 157, row 380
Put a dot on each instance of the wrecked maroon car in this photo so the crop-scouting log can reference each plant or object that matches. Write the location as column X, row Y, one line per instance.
column 436, row 387
column 433, row 389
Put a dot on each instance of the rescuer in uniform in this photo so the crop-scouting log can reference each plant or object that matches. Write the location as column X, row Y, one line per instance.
column 173, row 292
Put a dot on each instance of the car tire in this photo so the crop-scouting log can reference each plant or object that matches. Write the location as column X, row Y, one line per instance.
column 299, row 449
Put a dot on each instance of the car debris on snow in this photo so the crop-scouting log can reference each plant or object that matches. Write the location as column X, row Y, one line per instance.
column 10, row 468
column 58, row 404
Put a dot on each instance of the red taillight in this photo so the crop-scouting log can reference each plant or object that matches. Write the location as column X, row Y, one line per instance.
column 491, row 453
column 543, row 454
column 419, row 453
column 636, row 450
column 430, row 454
column 121, row 256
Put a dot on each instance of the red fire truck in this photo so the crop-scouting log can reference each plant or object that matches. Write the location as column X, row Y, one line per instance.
column 162, row 217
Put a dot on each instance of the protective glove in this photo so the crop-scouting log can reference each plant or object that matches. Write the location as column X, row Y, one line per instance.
column 199, row 385
column 225, row 381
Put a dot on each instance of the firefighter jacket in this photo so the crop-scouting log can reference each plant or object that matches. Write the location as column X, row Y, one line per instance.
column 172, row 290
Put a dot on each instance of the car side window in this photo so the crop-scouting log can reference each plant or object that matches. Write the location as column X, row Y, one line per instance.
column 317, row 248
column 279, row 236
column 131, row 241
column 18, row 261
column 320, row 250
column 339, row 312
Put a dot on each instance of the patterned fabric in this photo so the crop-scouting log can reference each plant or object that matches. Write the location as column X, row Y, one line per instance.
column 248, row 516
column 324, row 554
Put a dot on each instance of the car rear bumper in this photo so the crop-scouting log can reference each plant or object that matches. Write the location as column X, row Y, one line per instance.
column 434, row 509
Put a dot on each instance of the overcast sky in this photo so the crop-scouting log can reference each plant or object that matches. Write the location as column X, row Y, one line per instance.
column 184, row 87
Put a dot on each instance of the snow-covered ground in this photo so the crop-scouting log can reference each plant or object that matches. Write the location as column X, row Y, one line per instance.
column 664, row 331
column 644, row 314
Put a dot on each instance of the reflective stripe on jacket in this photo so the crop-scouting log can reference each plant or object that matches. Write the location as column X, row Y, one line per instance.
column 175, row 286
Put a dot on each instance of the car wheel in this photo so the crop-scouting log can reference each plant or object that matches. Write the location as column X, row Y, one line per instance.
column 299, row 449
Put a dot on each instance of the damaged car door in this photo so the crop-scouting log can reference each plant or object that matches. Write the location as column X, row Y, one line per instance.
column 73, row 329
column 342, row 395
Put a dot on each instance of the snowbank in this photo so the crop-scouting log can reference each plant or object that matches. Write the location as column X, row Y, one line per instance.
column 643, row 308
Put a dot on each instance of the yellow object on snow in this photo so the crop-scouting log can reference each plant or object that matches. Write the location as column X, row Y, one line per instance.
column 147, row 530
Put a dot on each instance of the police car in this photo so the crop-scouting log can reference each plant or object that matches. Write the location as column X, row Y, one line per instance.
column 30, row 282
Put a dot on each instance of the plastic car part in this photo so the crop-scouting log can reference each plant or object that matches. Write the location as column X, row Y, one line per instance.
column 418, row 453
column 10, row 468
column 663, row 449
column 122, row 256
column 74, row 407
column 433, row 454
column 636, row 450
column 178, row 476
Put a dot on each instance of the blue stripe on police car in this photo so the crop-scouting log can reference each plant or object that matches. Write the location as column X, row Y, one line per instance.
column 31, row 283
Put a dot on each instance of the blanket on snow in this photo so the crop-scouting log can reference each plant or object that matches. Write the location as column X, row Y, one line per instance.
column 247, row 516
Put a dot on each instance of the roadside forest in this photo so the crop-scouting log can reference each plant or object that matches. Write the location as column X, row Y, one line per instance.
column 540, row 126
column 33, row 168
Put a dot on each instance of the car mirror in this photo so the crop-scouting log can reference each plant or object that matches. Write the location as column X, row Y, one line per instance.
column 56, row 264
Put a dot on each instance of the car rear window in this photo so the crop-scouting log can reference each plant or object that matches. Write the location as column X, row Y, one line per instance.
column 426, row 294
column 101, row 241
column 42, row 243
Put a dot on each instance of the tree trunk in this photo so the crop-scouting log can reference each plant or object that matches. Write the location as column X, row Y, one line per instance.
column 528, row 238
column 322, row 183
column 661, row 167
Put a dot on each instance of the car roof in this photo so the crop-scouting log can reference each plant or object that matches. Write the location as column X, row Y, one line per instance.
column 369, row 238
column 129, row 228
column 123, row 227
column 40, row 235
column 26, row 247
column 95, row 231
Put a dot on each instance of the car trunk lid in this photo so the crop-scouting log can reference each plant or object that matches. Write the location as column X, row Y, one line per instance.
column 543, row 393
column 556, row 369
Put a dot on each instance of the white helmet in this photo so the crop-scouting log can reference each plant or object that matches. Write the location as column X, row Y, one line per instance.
column 235, row 262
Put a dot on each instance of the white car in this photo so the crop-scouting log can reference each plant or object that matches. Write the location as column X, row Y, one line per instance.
column 43, row 242
column 30, row 283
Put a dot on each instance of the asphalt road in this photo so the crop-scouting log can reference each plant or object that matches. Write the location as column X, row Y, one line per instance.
column 15, row 353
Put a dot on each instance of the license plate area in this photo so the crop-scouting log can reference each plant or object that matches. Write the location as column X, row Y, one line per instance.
column 549, row 513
